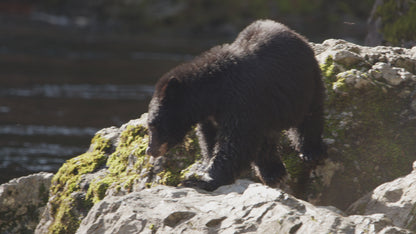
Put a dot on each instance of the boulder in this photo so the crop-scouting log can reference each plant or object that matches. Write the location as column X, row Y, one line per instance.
column 395, row 199
column 238, row 208
column 370, row 119
column 21, row 202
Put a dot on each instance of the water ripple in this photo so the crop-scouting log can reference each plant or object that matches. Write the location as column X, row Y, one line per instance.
column 83, row 91
column 31, row 130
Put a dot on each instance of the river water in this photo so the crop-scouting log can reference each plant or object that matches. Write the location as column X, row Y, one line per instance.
column 57, row 88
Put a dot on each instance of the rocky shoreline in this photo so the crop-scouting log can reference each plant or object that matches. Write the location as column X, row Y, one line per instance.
column 244, row 206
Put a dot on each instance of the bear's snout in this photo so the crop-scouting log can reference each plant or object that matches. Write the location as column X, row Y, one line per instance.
column 157, row 151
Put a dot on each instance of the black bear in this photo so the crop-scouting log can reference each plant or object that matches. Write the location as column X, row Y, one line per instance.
column 241, row 96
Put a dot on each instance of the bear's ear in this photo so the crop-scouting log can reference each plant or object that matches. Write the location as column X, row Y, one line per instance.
column 174, row 86
column 174, row 82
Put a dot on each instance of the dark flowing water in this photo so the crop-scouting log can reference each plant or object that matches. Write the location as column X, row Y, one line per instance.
column 57, row 88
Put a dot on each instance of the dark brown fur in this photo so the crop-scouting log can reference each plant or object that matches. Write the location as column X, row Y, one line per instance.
column 242, row 95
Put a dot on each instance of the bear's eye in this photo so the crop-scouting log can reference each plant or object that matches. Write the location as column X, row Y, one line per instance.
column 151, row 127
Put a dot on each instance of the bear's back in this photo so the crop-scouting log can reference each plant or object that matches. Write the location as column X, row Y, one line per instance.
column 267, row 35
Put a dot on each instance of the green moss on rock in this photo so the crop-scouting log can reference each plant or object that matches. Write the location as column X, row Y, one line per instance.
column 180, row 159
column 67, row 181
column 120, row 170
column 328, row 68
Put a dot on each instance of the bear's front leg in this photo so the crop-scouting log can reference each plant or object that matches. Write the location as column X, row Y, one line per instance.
column 207, row 132
column 221, row 171
column 230, row 159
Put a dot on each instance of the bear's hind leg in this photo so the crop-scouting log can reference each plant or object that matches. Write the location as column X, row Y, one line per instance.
column 269, row 167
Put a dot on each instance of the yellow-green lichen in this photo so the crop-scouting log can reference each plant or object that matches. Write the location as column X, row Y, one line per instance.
column 67, row 181
column 339, row 85
column 180, row 159
column 169, row 178
column 124, row 167
column 133, row 142
column 66, row 220
column 334, row 84
column 328, row 68
column 97, row 189
column 131, row 148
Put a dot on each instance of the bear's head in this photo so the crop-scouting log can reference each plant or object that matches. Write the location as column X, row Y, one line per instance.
column 166, row 119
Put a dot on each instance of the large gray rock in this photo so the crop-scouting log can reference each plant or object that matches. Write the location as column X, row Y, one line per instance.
column 244, row 207
column 22, row 200
column 395, row 199
column 370, row 117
